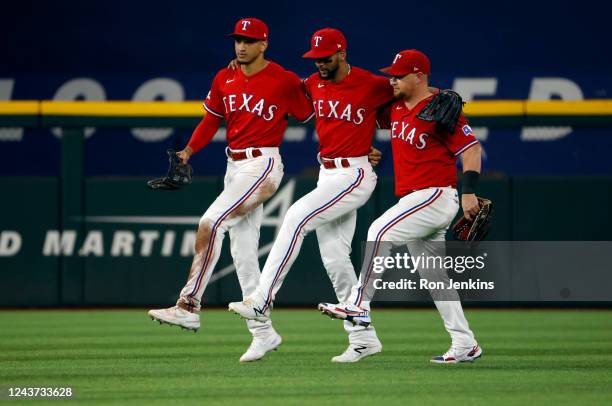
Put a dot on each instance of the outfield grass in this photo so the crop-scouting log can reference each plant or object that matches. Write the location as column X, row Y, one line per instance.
column 530, row 357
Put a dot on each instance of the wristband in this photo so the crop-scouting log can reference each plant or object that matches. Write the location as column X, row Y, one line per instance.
column 470, row 179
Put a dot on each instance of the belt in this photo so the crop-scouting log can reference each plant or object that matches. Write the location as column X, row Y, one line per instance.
column 431, row 187
column 240, row 155
column 335, row 163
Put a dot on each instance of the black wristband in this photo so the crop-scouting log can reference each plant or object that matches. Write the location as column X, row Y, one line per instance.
column 470, row 179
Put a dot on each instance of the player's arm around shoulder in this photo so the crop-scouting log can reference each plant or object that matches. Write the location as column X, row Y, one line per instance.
column 374, row 156
column 296, row 83
column 298, row 99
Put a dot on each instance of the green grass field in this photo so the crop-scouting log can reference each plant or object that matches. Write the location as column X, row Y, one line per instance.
column 530, row 357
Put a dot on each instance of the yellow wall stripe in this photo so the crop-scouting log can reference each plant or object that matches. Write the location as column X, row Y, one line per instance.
column 478, row 108
column 569, row 108
column 21, row 107
column 123, row 109
column 492, row 108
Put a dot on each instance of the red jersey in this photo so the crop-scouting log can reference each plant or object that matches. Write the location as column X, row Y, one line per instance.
column 255, row 107
column 346, row 111
column 422, row 156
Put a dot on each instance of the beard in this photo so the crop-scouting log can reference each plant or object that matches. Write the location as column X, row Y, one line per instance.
column 330, row 74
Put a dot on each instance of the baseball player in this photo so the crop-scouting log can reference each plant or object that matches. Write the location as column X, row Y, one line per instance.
column 424, row 158
column 254, row 100
column 346, row 100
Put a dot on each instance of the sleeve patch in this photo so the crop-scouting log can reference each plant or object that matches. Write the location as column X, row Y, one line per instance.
column 467, row 130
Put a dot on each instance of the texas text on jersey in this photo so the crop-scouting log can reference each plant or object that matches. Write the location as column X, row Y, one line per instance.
column 256, row 107
column 423, row 156
column 346, row 111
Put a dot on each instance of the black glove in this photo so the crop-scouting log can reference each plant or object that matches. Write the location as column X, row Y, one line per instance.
column 444, row 109
column 179, row 174
column 477, row 228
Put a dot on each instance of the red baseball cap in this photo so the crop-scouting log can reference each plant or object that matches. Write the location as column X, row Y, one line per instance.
column 251, row 28
column 326, row 42
column 408, row 61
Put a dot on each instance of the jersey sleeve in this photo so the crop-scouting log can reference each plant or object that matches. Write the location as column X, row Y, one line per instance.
column 204, row 132
column 214, row 99
column 462, row 138
column 300, row 106
column 382, row 92
column 306, row 86
column 383, row 116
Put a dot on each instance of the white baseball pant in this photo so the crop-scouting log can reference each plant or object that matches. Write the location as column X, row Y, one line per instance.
column 330, row 209
column 417, row 218
column 247, row 184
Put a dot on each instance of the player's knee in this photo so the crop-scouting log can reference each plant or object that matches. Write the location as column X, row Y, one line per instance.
column 293, row 217
column 205, row 221
column 242, row 210
column 266, row 190
column 374, row 231
column 203, row 235
column 263, row 193
column 341, row 262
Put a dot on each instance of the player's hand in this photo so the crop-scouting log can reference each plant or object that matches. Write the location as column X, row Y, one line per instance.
column 374, row 156
column 233, row 64
column 185, row 154
column 470, row 206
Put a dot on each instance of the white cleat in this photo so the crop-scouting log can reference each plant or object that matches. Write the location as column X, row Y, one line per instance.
column 457, row 355
column 176, row 316
column 343, row 311
column 248, row 309
column 355, row 352
column 260, row 346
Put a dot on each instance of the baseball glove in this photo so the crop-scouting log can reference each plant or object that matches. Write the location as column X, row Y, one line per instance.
column 477, row 228
column 444, row 109
column 179, row 174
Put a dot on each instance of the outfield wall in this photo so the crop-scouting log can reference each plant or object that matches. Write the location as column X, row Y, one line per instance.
column 133, row 246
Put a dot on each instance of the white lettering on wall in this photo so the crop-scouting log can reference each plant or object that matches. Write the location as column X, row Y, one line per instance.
column 93, row 244
column 157, row 89
column 59, row 243
column 6, row 92
column 10, row 243
column 123, row 244
column 469, row 88
column 80, row 89
column 547, row 89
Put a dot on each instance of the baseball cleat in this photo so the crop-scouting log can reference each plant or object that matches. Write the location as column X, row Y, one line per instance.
column 176, row 316
column 260, row 346
column 456, row 355
column 344, row 311
column 248, row 309
column 355, row 352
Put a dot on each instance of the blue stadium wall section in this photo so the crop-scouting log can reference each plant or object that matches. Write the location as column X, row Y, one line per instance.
column 155, row 51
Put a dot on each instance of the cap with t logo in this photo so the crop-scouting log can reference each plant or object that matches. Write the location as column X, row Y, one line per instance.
column 408, row 61
column 251, row 28
column 326, row 42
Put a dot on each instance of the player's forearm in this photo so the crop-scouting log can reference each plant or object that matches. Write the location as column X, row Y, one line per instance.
column 471, row 159
column 204, row 132
column 471, row 170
